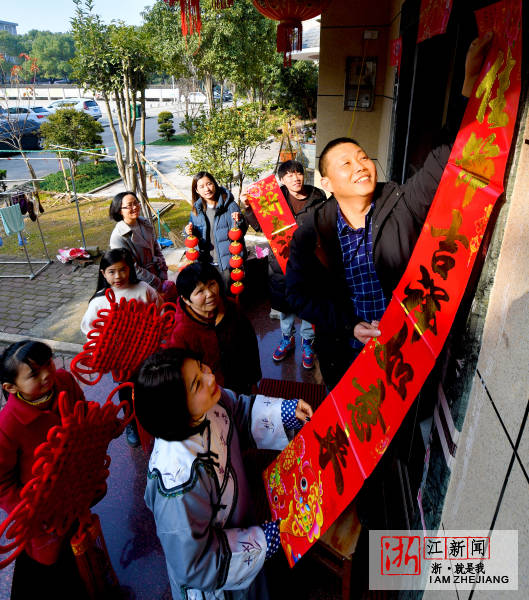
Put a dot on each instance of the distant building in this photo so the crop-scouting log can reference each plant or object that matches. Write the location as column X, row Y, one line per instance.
column 9, row 27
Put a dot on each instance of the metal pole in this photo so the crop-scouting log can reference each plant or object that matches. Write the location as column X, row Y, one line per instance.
column 27, row 255
column 76, row 202
column 42, row 237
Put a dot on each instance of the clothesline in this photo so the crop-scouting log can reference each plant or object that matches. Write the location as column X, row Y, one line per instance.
column 71, row 149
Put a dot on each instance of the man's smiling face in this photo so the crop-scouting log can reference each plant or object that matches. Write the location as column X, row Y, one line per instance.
column 349, row 172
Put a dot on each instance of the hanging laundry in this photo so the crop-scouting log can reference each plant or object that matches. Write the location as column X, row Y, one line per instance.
column 31, row 209
column 12, row 219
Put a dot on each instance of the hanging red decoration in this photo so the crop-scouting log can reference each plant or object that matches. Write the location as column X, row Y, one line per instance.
column 235, row 233
column 236, row 261
column 191, row 241
column 236, row 288
column 290, row 14
column 235, row 247
column 237, row 274
column 190, row 12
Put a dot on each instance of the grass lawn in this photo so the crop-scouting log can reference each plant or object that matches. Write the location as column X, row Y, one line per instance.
column 60, row 226
column 88, row 177
column 181, row 139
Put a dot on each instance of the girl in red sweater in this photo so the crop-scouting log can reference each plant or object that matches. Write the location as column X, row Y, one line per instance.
column 31, row 384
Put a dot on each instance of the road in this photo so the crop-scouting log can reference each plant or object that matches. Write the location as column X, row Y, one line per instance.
column 16, row 168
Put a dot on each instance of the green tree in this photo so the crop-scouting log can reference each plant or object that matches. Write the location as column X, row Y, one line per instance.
column 165, row 125
column 117, row 61
column 226, row 143
column 236, row 44
column 53, row 52
column 15, row 126
column 70, row 128
column 295, row 88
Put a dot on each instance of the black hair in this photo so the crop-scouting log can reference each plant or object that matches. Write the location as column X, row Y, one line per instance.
column 29, row 352
column 195, row 273
column 290, row 166
column 196, row 196
column 109, row 258
column 114, row 211
column 160, row 395
column 336, row 142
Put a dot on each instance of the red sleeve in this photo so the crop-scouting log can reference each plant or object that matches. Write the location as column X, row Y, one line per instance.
column 10, row 484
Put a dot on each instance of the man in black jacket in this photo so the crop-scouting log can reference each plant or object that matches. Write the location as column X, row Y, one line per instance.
column 302, row 199
column 349, row 256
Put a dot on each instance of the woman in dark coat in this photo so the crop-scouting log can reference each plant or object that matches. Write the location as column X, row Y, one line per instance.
column 214, row 213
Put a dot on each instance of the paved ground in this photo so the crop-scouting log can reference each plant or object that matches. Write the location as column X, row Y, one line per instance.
column 45, row 306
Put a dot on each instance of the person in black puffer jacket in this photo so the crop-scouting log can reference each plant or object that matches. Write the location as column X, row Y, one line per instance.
column 213, row 214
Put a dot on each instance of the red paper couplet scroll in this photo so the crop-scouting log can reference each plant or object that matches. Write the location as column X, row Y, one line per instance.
column 274, row 216
column 433, row 18
column 396, row 53
column 322, row 469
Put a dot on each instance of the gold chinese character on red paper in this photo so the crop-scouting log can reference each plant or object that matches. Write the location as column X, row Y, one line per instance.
column 497, row 116
column 477, row 166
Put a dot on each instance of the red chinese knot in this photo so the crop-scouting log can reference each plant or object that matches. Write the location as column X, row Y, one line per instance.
column 123, row 336
column 69, row 473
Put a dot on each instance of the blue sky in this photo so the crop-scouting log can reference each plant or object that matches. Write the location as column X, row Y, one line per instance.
column 55, row 15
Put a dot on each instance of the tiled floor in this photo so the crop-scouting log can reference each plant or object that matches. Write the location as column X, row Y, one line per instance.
column 128, row 525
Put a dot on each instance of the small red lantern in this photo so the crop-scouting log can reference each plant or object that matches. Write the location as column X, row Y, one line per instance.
column 236, row 288
column 235, row 233
column 191, row 241
column 192, row 254
column 237, row 274
column 236, row 261
column 290, row 13
column 235, row 248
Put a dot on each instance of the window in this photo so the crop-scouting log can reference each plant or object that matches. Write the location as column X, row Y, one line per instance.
column 360, row 78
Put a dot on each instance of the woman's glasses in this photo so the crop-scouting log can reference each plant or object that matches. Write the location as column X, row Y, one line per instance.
column 132, row 206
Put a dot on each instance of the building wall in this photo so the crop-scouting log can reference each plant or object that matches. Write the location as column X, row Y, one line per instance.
column 342, row 35
column 489, row 482
column 9, row 27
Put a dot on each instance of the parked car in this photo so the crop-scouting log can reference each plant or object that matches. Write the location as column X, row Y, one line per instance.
column 18, row 126
column 86, row 105
column 197, row 98
column 227, row 96
column 38, row 114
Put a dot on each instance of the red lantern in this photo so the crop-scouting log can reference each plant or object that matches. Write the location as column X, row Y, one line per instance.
column 191, row 241
column 290, row 13
column 192, row 254
column 236, row 288
column 235, row 248
column 237, row 274
column 236, row 261
column 235, row 234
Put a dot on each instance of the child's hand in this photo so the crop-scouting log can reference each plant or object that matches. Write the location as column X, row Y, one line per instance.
column 304, row 411
column 189, row 229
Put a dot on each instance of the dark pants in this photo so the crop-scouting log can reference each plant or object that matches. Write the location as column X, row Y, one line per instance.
column 60, row 581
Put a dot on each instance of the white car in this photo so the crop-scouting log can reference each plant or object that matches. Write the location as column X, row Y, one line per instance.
column 37, row 114
column 86, row 105
column 197, row 98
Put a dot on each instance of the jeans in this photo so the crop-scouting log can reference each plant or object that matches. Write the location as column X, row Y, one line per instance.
column 288, row 329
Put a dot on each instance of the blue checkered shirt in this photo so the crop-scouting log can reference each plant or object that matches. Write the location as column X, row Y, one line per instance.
column 365, row 289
